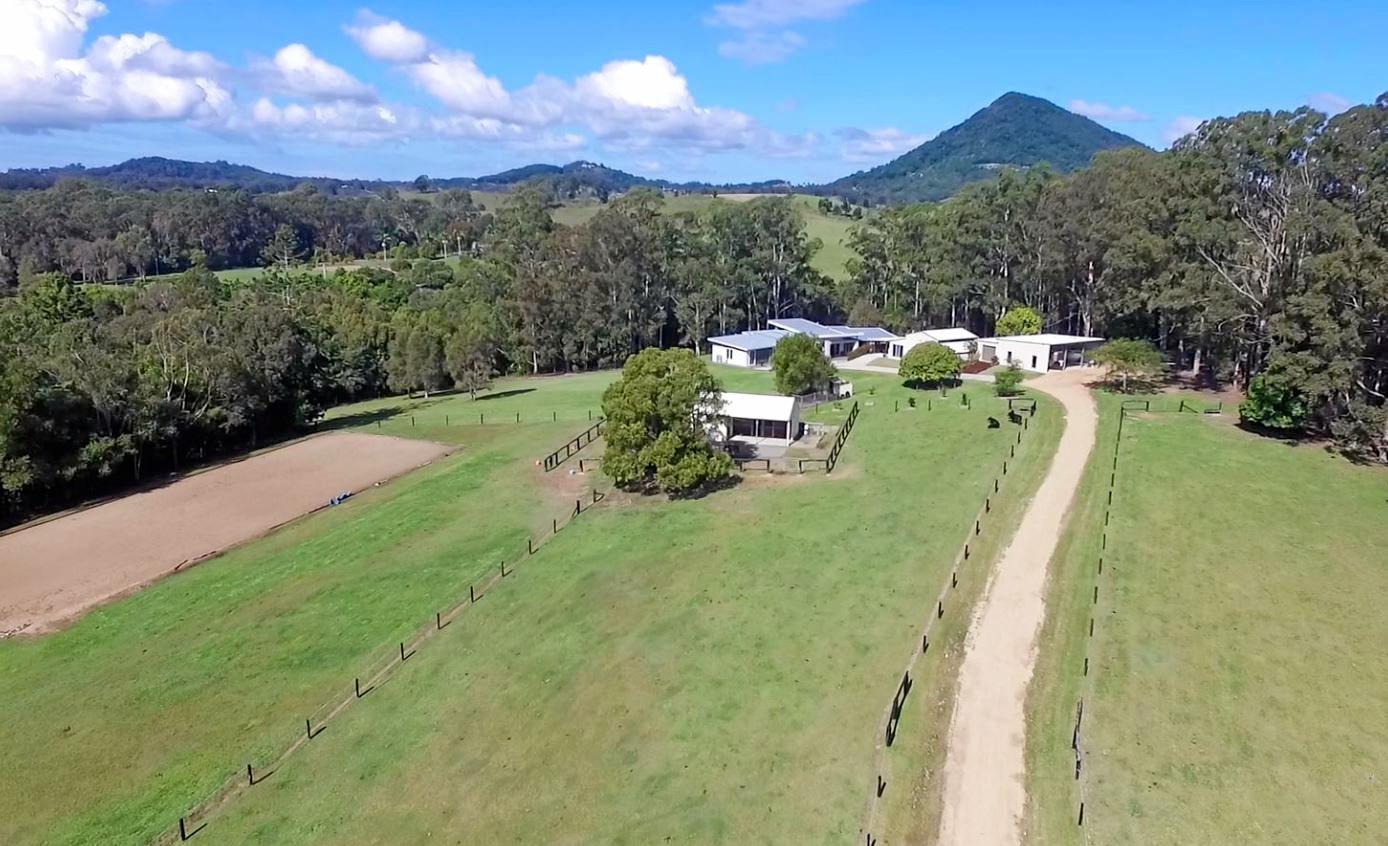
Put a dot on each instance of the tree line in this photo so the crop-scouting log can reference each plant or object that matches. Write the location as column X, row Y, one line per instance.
column 103, row 385
column 1254, row 252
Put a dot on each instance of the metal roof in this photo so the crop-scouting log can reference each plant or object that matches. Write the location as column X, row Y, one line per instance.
column 1050, row 340
column 952, row 334
column 760, row 339
column 757, row 406
column 867, row 333
column 811, row 328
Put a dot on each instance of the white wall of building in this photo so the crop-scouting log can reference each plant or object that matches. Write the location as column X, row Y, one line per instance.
column 730, row 356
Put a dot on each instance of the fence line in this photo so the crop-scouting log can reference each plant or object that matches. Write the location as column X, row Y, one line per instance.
column 844, row 431
column 378, row 672
column 574, row 445
column 1088, row 667
column 482, row 419
column 890, row 723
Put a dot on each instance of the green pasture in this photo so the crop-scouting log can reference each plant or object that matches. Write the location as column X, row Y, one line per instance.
column 708, row 670
column 1237, row 670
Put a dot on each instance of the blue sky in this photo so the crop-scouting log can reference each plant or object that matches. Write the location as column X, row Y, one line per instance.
column 749, row 89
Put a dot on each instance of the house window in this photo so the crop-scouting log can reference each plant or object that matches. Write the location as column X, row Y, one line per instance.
column 1033, row 362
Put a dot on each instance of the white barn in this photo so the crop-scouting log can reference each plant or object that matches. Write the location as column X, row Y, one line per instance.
column 959, row 341
column 1039, row 353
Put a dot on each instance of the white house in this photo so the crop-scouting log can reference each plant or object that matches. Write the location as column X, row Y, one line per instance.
column 754, row 419
column 746, row 349
column 753, row 348
column 1038, row 353
column 959, row 341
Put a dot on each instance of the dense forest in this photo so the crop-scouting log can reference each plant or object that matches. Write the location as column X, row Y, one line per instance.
column 102, row 385
column 1254, row 252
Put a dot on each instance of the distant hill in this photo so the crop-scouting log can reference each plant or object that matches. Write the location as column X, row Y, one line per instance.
column 157, row 173
column 1015, row 130
column 570, row 181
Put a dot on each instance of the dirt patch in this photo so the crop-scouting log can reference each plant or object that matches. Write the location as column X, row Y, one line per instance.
column 52, row 572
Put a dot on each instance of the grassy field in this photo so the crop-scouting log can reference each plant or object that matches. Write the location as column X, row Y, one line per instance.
column 1237, row 670
column 831, row 230
column 723, row 683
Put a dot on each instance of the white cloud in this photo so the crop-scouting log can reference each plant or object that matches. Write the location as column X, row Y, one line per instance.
column 46, row 81
column 1103, row 111
column 342, row 121
column 628, row 103
column 1331, row 104
column 765, row 38
column 652, row 83
column 865, row 145
column 296, row 71
column 1179, row 128
column 770, row 14
column 762, row 48
column 387, row 40
column 53, row 76
column 455, row 80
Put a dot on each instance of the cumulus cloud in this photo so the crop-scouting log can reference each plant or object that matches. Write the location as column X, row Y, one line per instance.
column 387, row 40
column 1103, row 111
column 1179, row 128
column 52, row 75
column 46, row 81
column 866, row 145
column 628, row 103
column 296, row 71
column 1331, row 104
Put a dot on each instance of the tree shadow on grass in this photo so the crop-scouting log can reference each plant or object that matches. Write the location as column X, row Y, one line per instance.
column 362, row 418
column 504, row 394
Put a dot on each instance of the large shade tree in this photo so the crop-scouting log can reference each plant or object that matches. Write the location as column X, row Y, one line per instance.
column 659, row 413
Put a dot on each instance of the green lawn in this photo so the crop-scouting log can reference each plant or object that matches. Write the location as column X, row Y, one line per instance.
column 705, row 670
column 1237, row 666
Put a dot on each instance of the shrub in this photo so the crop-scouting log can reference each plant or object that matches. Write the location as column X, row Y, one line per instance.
column 929, row 364
column 1273, row 405
column 1008, row 383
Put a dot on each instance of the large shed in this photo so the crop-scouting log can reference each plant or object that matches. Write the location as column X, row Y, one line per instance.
column 1039, row 353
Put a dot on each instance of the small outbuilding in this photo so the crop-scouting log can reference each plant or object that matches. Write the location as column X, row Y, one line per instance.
column 757, row 419
column 1039, row 353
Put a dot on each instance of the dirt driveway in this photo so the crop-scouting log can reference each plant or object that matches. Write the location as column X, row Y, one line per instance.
column 984, row 789
column 53, row 571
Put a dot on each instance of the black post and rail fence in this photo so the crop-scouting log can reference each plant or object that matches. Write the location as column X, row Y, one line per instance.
column 250, row 774
column 574, row 445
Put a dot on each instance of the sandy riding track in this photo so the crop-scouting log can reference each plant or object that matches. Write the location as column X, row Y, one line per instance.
column 53, row 571
column 984, row 791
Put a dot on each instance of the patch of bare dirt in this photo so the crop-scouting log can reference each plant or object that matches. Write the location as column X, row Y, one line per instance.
column 52, row 572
